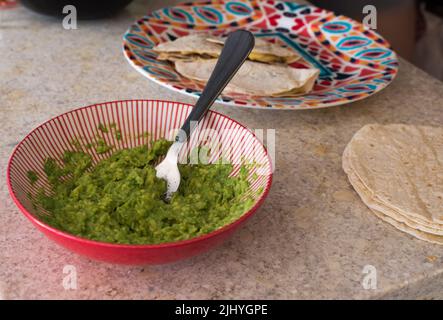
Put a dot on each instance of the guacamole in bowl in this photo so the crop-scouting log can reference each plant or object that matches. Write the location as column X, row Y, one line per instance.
column 120, row 199
column 86, row 179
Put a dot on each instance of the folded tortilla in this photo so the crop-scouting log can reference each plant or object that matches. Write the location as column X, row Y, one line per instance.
column 200, row 45
column 265, row 51
column 191, row 46
column 255, row 78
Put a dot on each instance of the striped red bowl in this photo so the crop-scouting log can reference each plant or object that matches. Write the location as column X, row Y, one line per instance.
column 134, row 118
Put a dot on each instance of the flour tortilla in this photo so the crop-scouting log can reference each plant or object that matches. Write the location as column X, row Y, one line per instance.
column 255, row 78
column 200, row 45
column 186, row 57
column 386, row 216
column 413, row 232
column 186, row 47
column 382, row 209
column 397, row 172
column 402, row 166
column 265, row 51
column 375, row 203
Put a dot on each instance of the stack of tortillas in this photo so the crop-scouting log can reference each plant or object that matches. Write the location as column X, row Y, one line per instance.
column 266, row 73
column 398, row 172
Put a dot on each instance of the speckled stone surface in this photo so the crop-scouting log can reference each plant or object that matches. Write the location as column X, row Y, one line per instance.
column 312, row 237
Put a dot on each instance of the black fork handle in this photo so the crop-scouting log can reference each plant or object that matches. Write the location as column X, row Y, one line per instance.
column 237, row 47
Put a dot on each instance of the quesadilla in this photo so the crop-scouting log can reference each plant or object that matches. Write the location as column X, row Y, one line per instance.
column 201, row 45
column 265, row 51
column 188, row 47
column 255, row 78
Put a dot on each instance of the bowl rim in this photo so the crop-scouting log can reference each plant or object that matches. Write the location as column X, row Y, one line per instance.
column 110, row 245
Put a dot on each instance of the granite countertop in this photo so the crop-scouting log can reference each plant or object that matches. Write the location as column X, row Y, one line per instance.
column 313, row 236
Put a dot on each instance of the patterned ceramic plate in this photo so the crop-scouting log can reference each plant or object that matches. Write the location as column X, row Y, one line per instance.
column 354, row 61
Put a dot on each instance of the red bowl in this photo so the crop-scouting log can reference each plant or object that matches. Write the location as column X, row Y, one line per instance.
column 134, row 118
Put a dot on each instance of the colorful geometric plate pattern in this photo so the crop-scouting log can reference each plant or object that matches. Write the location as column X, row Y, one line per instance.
column 354, row 61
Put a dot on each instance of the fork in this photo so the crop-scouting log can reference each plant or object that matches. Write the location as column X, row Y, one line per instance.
column 235, row 51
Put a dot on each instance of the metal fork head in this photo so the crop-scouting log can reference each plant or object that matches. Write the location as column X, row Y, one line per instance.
column 168, row 170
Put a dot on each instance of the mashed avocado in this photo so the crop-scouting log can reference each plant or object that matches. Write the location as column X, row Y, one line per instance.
column 120, row 199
